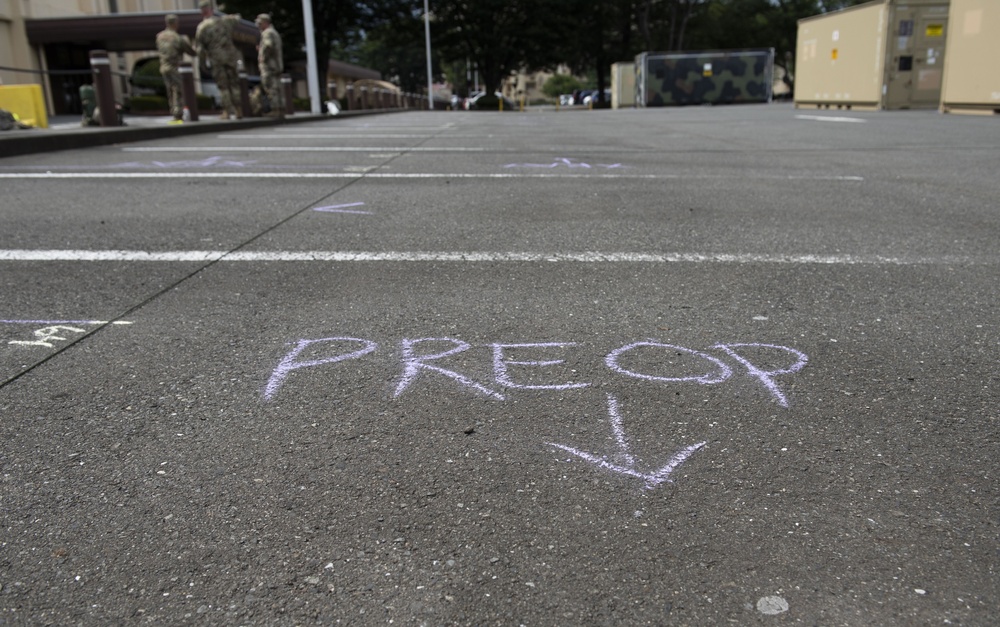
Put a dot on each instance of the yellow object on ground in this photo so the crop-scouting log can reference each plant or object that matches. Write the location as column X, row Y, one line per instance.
column 26, row 102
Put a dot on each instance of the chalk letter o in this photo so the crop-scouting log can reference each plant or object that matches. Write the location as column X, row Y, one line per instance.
column 709, row 378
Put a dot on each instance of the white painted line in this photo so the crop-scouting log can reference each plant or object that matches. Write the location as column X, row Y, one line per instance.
column 406, row 175
column 824, row 118
column 217, row 149
column 238, row 136
column 473, row 256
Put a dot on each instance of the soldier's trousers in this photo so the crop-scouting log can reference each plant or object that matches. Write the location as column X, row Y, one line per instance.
column 271, row 82
column 172, row 81
column 228, row 80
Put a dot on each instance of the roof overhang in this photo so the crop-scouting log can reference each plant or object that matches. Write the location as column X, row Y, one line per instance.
column 123, row 32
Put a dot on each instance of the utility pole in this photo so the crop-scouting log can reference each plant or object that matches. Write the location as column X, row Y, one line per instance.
column 311, row 79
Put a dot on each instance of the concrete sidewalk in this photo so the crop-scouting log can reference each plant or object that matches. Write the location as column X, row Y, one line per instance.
column 66, row 133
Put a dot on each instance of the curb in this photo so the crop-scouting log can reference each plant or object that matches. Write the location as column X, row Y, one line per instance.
column 33, row 141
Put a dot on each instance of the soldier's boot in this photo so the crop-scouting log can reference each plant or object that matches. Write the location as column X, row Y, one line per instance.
column 225, row 115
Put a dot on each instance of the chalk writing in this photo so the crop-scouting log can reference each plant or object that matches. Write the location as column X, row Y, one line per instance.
column 419, row 357
column 625, row 463
column 706, row 379
column 290, row 363
column 413, row 364
column 767, row 376
column 503, row 377
column 220, row 162
column 343, row 209
column 54, row 329
column 47, row 335
column 562, row 162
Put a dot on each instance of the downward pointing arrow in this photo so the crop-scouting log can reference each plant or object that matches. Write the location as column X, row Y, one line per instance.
column 628, row 465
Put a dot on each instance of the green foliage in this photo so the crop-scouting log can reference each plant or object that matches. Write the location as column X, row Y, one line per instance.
column 560, row 84
column 146, row 104
column 148, row 76
column 205, row 103
column 301, row 104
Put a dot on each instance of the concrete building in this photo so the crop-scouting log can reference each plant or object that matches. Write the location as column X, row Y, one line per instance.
column 48, row 43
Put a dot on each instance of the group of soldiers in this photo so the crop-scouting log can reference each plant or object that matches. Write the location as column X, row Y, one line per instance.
column 213, row 45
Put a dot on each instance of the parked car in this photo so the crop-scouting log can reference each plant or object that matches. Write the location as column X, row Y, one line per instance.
column 591, row 98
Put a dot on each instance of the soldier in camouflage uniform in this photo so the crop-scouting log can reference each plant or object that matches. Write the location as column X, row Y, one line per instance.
column 215, row 43
column 172, row 46
column 271, row 65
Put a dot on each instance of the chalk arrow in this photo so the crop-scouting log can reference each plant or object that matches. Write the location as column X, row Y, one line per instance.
column 626, row 463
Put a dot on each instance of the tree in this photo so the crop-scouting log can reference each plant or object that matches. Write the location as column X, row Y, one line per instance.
column 334, row 22
column 498, row 36
column 559, row 84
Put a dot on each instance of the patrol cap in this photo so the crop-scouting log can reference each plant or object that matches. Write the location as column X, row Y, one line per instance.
column 171, row 18
column 205, row 3
column 263, row 17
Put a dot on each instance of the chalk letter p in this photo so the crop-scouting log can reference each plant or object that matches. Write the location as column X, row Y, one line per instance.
column 767, row 376
column 288, row 363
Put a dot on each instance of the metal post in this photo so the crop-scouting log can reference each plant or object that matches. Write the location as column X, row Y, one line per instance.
column 245, row 92
column 286, row 83
column 311, row 78
column 105, row 91
column 187, row 90
column 427, row 37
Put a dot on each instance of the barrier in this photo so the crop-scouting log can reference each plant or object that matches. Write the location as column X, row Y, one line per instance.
column 26, row 102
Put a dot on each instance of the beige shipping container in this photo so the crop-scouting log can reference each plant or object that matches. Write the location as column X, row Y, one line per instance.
column 972, row 69
column 623, row 84
column 887, row 54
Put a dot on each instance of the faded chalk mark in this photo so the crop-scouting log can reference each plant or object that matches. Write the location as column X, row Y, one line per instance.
column 626, row 462
column 562, row 162
column 218, row 162
column 45, row 336
column 345, row 208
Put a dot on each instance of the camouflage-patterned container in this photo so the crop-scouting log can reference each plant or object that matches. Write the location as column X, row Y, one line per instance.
column 703, row 77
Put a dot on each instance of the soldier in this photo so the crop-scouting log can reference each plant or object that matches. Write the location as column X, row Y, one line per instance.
column 172, row 46
column 271, row 65
column 215, row 43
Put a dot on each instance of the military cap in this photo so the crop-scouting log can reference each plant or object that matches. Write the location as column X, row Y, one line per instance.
column 205, row 3
column 263, row 17
column 171, row 18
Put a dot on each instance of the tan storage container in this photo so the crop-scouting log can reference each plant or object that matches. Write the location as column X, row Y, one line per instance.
column 887, row 54
column 972, row 69
column 622, row 85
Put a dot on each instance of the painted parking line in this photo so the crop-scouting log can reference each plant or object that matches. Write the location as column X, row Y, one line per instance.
column 479, row 257
column 303, row 149
column 415, row 175
column 347, row 136
column 824, row 118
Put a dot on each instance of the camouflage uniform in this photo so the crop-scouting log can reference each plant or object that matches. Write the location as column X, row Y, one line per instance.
column 215, row 42
column 172, row 46
column 269, row 61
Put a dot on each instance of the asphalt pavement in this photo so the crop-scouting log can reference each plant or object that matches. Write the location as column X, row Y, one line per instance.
column 697, row 366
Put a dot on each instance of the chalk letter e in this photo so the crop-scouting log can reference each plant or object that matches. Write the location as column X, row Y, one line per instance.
column 288, row 363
